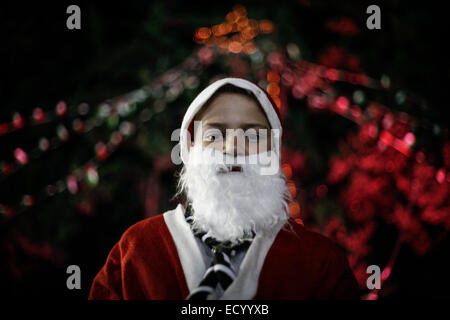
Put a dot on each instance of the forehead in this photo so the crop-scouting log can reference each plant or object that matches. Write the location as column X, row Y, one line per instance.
column 233, row 109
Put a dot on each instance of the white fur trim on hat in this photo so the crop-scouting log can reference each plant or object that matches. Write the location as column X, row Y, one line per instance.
column 203, row 97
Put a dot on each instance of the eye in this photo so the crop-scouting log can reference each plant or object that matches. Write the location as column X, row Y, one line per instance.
column 212, row 136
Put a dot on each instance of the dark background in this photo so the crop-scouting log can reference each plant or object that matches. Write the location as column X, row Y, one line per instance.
column 121, row 46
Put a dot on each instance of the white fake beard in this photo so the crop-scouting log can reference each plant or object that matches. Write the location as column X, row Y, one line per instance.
column 232, row 205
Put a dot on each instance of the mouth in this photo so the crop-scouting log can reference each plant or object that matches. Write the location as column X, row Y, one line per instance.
column 230, row 169
column 235, row 168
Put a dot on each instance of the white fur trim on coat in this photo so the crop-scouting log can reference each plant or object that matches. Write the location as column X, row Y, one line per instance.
column 245, row 286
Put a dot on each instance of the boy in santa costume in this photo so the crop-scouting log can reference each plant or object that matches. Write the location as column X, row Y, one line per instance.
column 233, row 238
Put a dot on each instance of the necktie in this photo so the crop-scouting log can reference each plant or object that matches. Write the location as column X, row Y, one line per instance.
column 220, row 271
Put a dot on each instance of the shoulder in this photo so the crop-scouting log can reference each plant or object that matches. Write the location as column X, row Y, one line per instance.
column 144, row 226
column 147, row 231
column 328, row 261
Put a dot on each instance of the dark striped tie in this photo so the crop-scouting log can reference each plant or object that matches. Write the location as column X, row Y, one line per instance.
column 220, row 270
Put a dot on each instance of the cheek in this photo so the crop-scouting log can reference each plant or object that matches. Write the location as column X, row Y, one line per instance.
column 216, row 145
column 258, row 147
column 265, row 145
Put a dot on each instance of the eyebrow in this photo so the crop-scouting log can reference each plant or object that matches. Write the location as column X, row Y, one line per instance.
column 245, row 126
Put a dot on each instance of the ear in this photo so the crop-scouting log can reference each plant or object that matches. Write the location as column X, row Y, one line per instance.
column 190, row 144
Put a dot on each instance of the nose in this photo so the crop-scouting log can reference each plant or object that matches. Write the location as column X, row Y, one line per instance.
column 233, row 146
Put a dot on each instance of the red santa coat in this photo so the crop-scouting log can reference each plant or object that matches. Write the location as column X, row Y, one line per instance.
column 158, row 258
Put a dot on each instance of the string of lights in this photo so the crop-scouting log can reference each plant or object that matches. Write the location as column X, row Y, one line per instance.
column 85, row 173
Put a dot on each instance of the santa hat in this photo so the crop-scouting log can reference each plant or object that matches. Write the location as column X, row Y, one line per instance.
column 264, row 99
